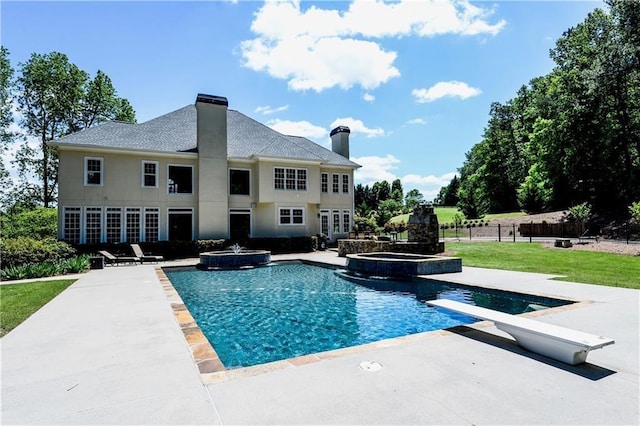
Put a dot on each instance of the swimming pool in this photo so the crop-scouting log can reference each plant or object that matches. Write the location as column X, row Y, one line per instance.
column 286, row 310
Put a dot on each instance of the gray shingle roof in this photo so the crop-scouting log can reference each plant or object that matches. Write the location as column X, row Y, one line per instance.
column 176, row 132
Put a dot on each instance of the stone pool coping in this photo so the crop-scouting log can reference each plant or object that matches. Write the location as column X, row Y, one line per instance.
column 212, row 370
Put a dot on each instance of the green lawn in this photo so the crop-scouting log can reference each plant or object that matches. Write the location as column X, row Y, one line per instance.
column 19, row 301
column 445, row 215
column 608, row 269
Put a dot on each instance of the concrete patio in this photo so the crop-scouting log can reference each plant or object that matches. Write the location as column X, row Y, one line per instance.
column 108, row 350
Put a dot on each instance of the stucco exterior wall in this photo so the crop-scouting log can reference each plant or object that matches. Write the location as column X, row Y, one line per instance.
column 121, row 184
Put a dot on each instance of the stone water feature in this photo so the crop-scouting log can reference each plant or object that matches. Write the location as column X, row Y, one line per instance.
column 235, row 257
column 402, row 259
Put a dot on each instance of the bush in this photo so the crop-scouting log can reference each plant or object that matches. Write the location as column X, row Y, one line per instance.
column 46, row 269
column 25, row 251
column 38, row 222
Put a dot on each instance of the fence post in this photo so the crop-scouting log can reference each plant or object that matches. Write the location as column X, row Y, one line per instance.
column 499, row 234
column 469, row 232
column 626, row 227
column 531, row 232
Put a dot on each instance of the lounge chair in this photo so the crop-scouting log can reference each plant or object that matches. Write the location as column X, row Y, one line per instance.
column 145, row 257
column 116, row 260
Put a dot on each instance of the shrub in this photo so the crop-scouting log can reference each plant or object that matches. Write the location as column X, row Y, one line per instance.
column 634, row 211
column 25, row 250
column 77, row 264
column 24, row 221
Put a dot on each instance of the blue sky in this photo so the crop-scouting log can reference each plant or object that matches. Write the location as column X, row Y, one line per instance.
column 414, row 80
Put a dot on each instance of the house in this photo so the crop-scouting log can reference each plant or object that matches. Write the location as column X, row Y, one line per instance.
column 201, row 172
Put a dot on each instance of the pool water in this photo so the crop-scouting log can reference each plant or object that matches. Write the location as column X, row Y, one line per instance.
column 282, row 311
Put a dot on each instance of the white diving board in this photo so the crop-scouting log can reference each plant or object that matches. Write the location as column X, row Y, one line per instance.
column 560, row 343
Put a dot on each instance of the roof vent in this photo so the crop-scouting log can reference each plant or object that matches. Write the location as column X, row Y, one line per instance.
column 212, row 99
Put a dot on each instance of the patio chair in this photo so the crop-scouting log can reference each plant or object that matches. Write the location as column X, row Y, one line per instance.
column 145, row 257
column 117, row 260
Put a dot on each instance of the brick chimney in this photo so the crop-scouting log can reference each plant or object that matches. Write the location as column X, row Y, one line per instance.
column 340, row 140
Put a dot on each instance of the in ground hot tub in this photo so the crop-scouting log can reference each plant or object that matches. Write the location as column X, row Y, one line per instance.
column 229, row 259
column 386, row 264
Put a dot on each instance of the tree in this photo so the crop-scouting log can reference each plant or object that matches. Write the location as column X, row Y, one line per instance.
column 56, row 98
column 413, row 199
column 386, row 210
column 579, row 126
column 581, row 213
column 6, row 119
column 381, row 192
column 397, row 192
column 448, row 195
column 471, row 201
column 534, row 193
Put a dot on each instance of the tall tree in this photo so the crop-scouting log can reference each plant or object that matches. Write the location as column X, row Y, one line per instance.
column 397, row 192
column 56, row 98
column 381, row 192
column 6, row 119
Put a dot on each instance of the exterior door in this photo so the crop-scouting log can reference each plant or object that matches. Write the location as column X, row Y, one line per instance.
column 240, row 227
column 324, row 224
column 180, row 226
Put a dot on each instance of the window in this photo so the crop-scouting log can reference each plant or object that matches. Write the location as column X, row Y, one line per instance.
column 291, row 216
column 336, row 221
column 132, row 226
column 290, row 179
column 278, row 178
column 150, row 174
column 345, row 184
column 346, row 221
column 336, row 183
column 93, row 224
column 301, row 181
column 324, row 182
column 92, row 171
column 180, row 180
column 71, row 225
column 239, row 182
column 151, row 224
column 114, row 224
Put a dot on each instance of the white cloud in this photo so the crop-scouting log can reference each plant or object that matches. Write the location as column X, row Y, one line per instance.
column 428, row 185
column 416, row 121
column 357, row 126
column 445, row 89
column 317, row 49
column 375, row 169
column 368, row 97
column 298, row 128
column 266, row 110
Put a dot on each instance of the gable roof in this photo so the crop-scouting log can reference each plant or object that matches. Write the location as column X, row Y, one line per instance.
column 176, row 132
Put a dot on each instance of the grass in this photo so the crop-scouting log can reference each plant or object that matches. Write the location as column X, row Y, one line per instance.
column 19, row 301
column 445, row 215
column 615, row 270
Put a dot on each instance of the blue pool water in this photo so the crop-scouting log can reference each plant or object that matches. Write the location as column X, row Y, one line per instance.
column 283, row 311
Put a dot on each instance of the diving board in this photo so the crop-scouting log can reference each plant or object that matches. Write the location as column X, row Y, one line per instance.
column 560, row 343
